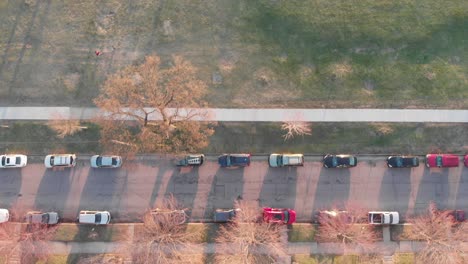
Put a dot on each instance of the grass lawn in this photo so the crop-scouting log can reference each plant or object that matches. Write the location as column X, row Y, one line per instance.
column 326, row 259
column 305, row 53
column 404, row 258
column 302, row 233
column 358, row 138
column 84, row 233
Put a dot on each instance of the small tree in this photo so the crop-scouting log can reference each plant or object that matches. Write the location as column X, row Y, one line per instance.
column 137, row 92
column 247, row 240
column 347, row 227
column 163, row 237
column 444, row 237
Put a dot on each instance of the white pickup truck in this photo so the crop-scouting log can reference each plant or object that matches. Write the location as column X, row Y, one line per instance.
column 281, row 160
column 384, row 218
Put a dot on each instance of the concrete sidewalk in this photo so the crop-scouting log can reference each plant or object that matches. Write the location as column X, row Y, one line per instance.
column 256, row 115
column 383, row 248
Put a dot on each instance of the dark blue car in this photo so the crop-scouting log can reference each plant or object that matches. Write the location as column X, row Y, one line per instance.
column 234, row 160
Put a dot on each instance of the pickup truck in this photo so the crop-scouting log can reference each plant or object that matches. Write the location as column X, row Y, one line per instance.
column 281, row 160
column 383, row 218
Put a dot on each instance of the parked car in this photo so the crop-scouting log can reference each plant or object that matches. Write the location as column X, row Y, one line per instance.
column 191, row 160
column 402, row 161
column 339, row 161
column 458, row 215
column 4, row 215
column 225, row 215
column 94, row 217
column 98, row 161
column 164, row 215
column 60, row 160
column 279, row 215
column 234, row 160
column 13, row 161
column 281, row 160
column 383, row 218
column 441, row 160
column 465, row 160
column 35, row 217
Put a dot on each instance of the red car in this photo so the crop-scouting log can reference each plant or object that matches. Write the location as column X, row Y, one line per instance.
column 279, row 215
column 465, row 160
column 441, row 160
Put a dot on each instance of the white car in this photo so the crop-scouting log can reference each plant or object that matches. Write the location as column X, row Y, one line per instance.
column 98, row 161
column 13, row 161
column 281, row 160
column 60, row 160
column 94, row 217
column 4, row 215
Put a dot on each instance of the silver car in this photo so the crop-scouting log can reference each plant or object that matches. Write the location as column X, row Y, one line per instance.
column 35, row 217
column 98, row 161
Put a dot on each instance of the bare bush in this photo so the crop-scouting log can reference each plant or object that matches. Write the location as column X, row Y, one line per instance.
column 444, row 237
column 65, row 127
column 25, row 243
column 295, row 128
column 348, row 227
column 163, row 238
column 246, row 239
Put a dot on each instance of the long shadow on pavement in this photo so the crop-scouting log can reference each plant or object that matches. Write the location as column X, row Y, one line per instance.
column 183, row 184
column 53, row 190
column 432, row 187
column 10, row 188
column 332, row 188
column 279, row 188
column 395, row 190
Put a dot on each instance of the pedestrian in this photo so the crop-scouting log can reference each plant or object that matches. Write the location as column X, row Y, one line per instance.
column 97, row 52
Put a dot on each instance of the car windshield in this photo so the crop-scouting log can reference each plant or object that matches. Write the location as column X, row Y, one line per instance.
column 18, row 160
column 3, row 161
column 98, row 218
column 277, row 216
column 286, row 216
column 279, row 160
column 45, row 218
column 114, row 161
column 99, row 161
column 439, row 161
column 52, row 160
column 228, row 160
column 334, row 162
column 399, row 162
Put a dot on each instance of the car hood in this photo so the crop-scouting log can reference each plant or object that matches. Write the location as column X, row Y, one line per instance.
column 292, row 216
column 53, row 218
column 273, row 160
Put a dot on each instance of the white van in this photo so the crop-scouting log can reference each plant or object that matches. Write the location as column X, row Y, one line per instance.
column 94, row 217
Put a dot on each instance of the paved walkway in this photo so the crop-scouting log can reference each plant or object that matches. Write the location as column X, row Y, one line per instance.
column 259, row 115
column 383, row 248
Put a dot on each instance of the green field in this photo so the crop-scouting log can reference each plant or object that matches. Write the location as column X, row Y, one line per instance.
column 304, row 53
column 357, row 138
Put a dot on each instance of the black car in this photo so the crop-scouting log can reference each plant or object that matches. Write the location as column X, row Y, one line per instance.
column 402, row 162
column 339, row 161
column 234, row 160
column 224, row 215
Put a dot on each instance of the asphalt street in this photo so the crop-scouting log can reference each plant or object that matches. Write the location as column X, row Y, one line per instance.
column 129, row 191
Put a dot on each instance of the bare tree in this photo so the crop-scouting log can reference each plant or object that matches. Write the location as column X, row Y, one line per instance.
column 246, row 239
column 163, row 238
column 139, row 92
column 25, row 243
column 348, row 227
column 444, row 237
